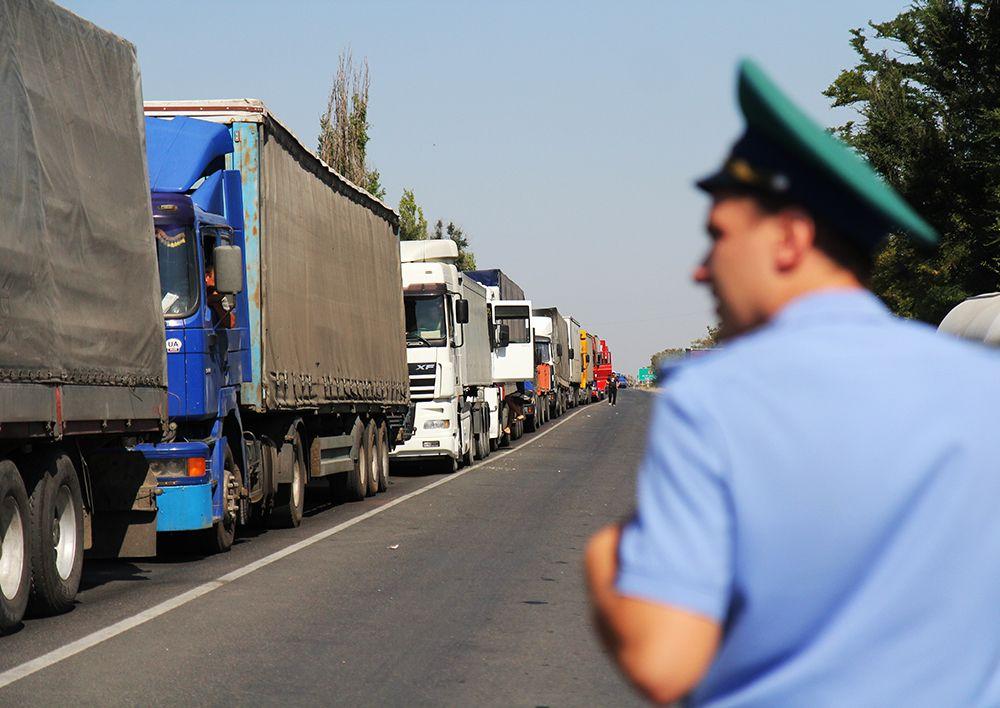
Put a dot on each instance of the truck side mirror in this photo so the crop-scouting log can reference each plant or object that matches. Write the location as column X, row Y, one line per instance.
column 462, row 311
column 571, row 353
column 559, row 350
column 228, row 269
column 504, row 336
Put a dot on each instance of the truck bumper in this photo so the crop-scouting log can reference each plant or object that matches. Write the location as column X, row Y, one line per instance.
column 185, row 507
column 427, row 446
column 183, row 503
column 431, row 442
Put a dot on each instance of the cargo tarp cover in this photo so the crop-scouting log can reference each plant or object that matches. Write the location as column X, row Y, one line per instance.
column 332, row 287
column 79, row 290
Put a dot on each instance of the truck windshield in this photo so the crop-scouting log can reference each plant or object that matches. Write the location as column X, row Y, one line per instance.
column 541, row 352
column 176, row 253
column 425, row 323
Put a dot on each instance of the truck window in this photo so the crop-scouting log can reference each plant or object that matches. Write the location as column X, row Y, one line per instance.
column 425, row 320
column 517, row 318
column 176, row 254
column 221, row 305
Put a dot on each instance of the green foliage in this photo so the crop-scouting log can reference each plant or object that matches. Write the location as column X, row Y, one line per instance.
column 929, row 96
column 656, row 360
column 412, row 224
column 466, row 258
column 373, row 183
column 711, row 339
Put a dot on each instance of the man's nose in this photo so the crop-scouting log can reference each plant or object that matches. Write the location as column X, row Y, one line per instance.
column 701, row 274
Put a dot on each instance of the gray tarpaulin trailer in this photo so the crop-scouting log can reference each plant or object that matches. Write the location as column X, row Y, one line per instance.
column 323, row 271
column 82, row 361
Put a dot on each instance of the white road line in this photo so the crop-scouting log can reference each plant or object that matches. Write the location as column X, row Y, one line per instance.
column 68, row 650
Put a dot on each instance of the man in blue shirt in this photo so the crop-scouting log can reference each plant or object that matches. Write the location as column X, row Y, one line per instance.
column 817, row 520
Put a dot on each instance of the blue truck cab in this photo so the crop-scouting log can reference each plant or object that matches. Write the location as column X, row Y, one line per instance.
column 198, row 221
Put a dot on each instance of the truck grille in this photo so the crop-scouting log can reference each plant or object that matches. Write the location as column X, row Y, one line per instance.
column 422, row 381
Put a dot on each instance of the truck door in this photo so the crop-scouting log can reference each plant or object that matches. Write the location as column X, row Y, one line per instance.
column 516, row 361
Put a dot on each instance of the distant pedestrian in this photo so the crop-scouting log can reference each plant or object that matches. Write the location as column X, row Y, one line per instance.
column 612, row 387
column 817, row 510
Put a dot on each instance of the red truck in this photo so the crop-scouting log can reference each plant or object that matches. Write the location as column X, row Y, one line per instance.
column 602, row 370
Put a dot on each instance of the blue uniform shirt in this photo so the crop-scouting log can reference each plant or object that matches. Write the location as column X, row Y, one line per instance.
column 828, row 488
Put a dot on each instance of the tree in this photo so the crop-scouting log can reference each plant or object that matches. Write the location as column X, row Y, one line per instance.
column 412, row 224
column 466, row 258
column 657, row 360
column 343, row 128
column 710, row 340
column 929, row 100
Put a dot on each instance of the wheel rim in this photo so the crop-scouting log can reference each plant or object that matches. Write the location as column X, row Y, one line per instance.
column 376, row 464
column 363, row 461
column 11, row 548
column 64, row 532
column 296, row 483
column 385, row 461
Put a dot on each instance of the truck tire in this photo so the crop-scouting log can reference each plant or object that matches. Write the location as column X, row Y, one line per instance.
column 356, row 482
column 470, row 456
column 484, row 436
column 374, row 459
column 529, row 420
column 15, row 565
column 383, row 455
column 291, row 496
column 222, row 535
column 56, row 533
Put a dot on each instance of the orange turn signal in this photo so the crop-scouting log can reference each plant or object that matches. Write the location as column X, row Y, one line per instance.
column 196, row 466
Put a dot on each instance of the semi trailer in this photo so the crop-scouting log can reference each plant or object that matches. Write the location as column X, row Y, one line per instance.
column 575, row 360
column 82, row 367
column 279, row 286
column 512, row 358
column 553, row 365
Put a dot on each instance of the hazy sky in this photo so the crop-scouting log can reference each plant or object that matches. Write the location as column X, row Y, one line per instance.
column 562, row 136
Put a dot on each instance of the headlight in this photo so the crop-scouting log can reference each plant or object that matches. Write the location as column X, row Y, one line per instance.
column 436, row 424
column 179, row 467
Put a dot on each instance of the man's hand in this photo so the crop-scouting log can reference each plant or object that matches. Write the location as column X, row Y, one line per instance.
column 664, row 651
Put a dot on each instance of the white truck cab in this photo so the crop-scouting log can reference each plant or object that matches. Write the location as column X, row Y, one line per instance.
column 448, row 352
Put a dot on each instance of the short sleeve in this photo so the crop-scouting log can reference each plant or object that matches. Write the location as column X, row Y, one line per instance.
column 677, row 549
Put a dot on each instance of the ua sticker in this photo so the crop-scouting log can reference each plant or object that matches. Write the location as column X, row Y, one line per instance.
column 173, row 345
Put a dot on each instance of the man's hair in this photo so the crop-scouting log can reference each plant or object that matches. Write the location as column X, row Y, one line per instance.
column 829, row 239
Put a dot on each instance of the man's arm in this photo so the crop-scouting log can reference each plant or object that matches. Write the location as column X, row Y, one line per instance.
column 664, row 651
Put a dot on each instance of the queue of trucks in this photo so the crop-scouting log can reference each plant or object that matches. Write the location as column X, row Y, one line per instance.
column 292, row 339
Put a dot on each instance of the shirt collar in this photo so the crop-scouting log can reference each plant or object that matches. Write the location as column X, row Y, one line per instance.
column 825, row 305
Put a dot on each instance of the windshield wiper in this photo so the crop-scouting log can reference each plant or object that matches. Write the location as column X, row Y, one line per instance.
column 416, row 337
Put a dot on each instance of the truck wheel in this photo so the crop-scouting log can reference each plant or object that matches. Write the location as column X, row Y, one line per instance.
column 15, row 568
column 529, row 420
column 470, row 456
column 356, row 485
column 220, row 538
column 383, row 455
column 374, row 459
column 290, row 498
column 56, row 534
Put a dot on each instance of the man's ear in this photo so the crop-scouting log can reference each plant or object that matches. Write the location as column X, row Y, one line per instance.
column 797, row 236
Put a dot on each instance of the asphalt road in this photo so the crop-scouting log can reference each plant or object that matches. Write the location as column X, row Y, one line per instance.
column 469, row 592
